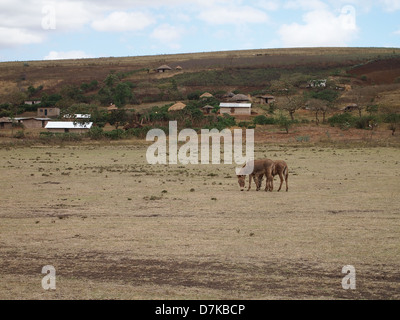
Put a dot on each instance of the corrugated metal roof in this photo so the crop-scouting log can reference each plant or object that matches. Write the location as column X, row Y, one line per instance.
column 235, row 105
column 77, row 116
column 7, row 119
column 68, row 125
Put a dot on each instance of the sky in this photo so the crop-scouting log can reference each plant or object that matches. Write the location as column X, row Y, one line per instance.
column 60, row 29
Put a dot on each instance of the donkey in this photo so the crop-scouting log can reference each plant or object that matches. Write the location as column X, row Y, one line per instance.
column 261, row 167
column 281, row 169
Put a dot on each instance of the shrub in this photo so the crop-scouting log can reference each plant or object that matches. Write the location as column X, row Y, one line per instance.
column 194, row 95
column 96, row 133
column 284, row 122
column 244, row 124
column 140, row 132
column 263, row 120
column 365, row 122
column 115, row 134
column 392, row 118
column 20, row 134
column 342, row 119
column 303, row 139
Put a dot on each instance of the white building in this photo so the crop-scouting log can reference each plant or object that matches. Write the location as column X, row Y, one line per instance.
column 235, row 108
column 68, row 126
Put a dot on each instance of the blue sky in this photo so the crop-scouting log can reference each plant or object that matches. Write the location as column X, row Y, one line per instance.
column 41, row 29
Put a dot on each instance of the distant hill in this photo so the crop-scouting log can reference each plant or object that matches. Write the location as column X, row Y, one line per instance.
column 247, row 71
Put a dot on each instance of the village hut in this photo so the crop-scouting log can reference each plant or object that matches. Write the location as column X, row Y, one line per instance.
column 177, row 106
column 240, row 98
column 5, row 123
column 265, row 99
column 163, row 68
column 206, row 95
column 48, row 112
column 207, row 109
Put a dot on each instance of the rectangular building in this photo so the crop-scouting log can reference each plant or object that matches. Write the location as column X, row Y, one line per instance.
column 235, row 108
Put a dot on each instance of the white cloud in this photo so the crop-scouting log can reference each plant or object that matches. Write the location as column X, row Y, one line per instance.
column 10, row 37
column 390, row 5
column 57, row 55
column 268, row 5
column 306, row 5
column 321, row 28
column 123, row 21
column 219, row 15
column 168, row 35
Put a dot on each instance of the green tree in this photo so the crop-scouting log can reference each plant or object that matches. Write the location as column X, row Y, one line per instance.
column 329, row 97
column 284, row 122
column 122, row 94
column 118, row 118
column 111, row 80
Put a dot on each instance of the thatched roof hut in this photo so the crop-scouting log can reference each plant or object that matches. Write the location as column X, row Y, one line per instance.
column 177, row 106
column 206, row 95
column 207, row 109
column 240, row 98
column 163, row 68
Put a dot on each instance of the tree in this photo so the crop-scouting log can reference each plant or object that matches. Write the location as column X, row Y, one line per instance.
column 111, row 80
column 118, row 118
column 372, row 109
column 286, row 89
column 16, row 98
column 317, row 106
column 329, row 97
column 122, row 94
column 394, row 121
column 294, row 103
column 284, row 122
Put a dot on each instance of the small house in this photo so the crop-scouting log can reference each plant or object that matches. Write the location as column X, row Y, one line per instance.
column 27, row 122
column 48, row 112
column 235, row 108
column 163, row 68
column 207, row 109
column 350, row 107
column 5, row 123
column 32, row 102
column 265, row 99
column 68, row 126
column 317, row 83
column 77, row 116
column 32, row 123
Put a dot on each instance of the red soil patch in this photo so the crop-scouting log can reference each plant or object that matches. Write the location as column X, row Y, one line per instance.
column 379, row 72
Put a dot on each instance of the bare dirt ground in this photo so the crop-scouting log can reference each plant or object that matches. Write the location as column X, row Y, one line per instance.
column 115, row 227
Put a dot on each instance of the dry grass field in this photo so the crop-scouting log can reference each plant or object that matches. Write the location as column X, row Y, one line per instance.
column 115, row 227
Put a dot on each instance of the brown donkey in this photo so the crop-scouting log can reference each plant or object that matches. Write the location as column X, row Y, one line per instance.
column 280, row 168
column 261, row 167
